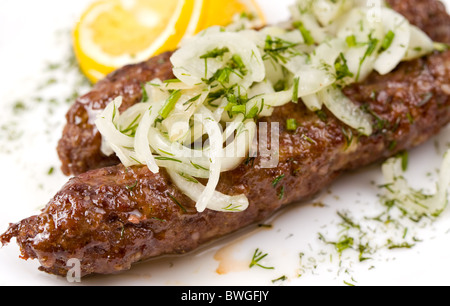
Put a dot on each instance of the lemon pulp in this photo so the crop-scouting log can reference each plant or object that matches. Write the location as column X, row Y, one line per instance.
column 114, row 33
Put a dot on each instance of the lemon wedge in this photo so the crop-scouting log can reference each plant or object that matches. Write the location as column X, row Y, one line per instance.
column 114, row 33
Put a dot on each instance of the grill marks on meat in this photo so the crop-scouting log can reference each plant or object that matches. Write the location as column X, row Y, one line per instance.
column 116, row 216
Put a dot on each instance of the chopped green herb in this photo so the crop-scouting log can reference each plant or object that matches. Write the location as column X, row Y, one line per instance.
column 441, row 47
column 279, row 50
column 198, row 167
column 170, row 81
column 342, row 70
column 281, row 193
column 233, row 208
column 168, row 158
column 392, row 145
column 348, row 135
column 277, row 180
column 138, row 162
column 387, row 41
column 280, row 85
column 291, row 124
column 165, row 152
column 280, row 279
column 349, row 284
column 51, row 171
column 130, row 130
column 176, row 201
column 170, row 103
column 250, row 160
column 238, row 63
column 162, row 220
column 307, row 37
column 216, row 52
column 344, row 243
column 295, row 91
column 19, row 107
column 351, row 41
column 322, row 115
column 347, row 221
column 238, row 109
column 254, row 111
column 371, row 47
column 405, row 159
column 257, row 257
column 131, row 187
column 403, row 245
column 308, row 139
column 191, row 100
column 188, row 178
column 144, row 93
column 380, row 122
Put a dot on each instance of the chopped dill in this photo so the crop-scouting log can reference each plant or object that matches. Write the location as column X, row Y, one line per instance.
column 277, row 180
column 279, row 50
column 176, row 201
column 257, row 257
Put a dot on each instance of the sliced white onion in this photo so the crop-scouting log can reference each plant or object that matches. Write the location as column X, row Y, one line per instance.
column 411, row 200
column 177, row 124
column 312, row 102
column 106, row 124
column 232, row 126
column 129, row 119
column 345, row 110
column 218, row 201
column 419, row 45
column 215, row 139
column 106, row 148
column 141, row 143
column 393, row 23
column 317, row 72
column 163, row 146
column 190, row 68
column 366, row 32
column 155, row 90
column 328, row 51
column 313, row 79
column 327, row 11
column 236, row 151
column 264, row 97
column 302, row 11
column 127, row 157
column 277, row 98
column 293, row 36
column 182, row 167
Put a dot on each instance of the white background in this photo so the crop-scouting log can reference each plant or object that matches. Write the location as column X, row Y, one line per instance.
column 34, row 33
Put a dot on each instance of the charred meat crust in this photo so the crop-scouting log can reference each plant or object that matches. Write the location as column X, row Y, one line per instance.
column 116, row 216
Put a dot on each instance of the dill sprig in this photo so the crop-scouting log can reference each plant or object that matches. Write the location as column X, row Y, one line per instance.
column 279, row 50
column 257, row 257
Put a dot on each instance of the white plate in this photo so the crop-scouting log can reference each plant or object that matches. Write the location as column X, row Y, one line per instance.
column 36, row 33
